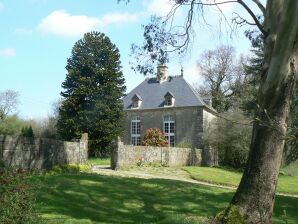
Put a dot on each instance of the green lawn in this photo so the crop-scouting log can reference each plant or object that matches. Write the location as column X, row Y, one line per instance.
column 99, row 161
column 86, row 198
column 286, row 184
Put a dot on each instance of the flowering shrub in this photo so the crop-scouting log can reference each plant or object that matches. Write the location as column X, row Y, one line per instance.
column 154, row 137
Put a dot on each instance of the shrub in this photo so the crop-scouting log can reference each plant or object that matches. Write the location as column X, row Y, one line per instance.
column 231, row 139
column 184, row 144
column 70, row 168
column 154, row 137
column 17, row 198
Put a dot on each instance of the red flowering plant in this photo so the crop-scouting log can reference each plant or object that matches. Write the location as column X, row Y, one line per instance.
column 155, row 137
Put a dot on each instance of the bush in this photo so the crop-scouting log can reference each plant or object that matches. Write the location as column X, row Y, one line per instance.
column 184, row 144
column 17, row 198
column 70, row 168
column 154, row 137
column 230, row 138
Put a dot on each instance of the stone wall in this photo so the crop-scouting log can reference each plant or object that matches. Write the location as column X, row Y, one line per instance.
column 39, row 153
column 127, row 155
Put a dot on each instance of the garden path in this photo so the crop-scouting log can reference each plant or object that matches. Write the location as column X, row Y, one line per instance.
column 170, row 173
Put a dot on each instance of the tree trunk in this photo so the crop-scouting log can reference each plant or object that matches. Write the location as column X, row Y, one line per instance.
column 254, row 198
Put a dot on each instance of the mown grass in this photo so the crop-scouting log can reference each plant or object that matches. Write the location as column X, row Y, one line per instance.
column 99, row 161
column 88, row 198
column 286, row 184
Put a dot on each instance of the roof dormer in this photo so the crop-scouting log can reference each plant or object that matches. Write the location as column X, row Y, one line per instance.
column 136, row 101
column 169, row 99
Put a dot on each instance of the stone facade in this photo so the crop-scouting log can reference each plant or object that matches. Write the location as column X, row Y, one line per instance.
column 38, row 153
column 128, row 155
column 190, row 123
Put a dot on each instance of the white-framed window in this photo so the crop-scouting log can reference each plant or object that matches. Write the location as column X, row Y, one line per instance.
column 136, row 101
column 168, row 101
column 135, row 104
column 136, row 130
column 169, row 128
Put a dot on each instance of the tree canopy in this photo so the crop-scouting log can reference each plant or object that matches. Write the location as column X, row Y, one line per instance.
column 92, row 92
column 254, row 199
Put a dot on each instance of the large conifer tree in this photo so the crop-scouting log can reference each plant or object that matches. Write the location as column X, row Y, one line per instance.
column 92, row 93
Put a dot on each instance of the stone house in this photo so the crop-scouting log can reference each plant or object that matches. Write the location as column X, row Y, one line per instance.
column 170, row 104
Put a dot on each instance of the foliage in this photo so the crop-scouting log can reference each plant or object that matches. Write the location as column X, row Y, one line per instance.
column 230, row 138
column 253, row 75
column 154, row 137
column 17, row 198
column 27, row 132
column 12, row 125
column 135, row 200
column 70, row 168
column 8, row 103
column 291, row 147
column 92, row 93
column 184, row 144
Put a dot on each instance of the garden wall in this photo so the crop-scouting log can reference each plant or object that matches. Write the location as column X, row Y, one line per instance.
column 127, row 155
column 40, row 153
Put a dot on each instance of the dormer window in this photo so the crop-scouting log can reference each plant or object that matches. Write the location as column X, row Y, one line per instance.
column 136, row 101
column 169, row 99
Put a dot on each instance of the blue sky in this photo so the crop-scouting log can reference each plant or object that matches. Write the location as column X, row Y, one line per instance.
column 37, row 37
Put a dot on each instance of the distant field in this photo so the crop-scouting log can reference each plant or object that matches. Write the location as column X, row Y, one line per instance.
column 90, row 198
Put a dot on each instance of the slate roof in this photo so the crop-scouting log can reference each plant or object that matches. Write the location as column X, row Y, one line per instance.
column 152, row 94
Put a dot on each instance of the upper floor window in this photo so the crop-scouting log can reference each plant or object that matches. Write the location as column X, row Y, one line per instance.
column 169, row 128
column 136, row 130
column 169, row 99
column 136, row 101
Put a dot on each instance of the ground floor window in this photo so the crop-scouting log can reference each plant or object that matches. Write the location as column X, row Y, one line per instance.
column 136, row 130
column 169, row 128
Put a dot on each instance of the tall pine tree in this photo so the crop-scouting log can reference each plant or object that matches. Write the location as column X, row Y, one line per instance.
column 92, row 93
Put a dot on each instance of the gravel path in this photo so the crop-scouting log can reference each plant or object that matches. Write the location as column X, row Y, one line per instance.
column 161, row 173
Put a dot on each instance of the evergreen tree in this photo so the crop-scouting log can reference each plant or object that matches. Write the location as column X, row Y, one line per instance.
column 92, row 93
column 27, row 132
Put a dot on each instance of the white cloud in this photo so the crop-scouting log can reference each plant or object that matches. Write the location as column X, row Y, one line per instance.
column 61, row 23
column 1, row 6
column 118, row 18
column 23, row 31
column 159, row 7
column 8, row 52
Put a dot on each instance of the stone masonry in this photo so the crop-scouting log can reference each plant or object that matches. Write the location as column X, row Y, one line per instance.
column 39, row 153
column 128, row 155
column 189, row 123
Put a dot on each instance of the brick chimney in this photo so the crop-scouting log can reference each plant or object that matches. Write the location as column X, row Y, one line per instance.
column 162, row 73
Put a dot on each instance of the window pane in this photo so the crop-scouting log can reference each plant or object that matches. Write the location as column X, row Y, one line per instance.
column 166, row 127
column 172, row 140
column 172, row 128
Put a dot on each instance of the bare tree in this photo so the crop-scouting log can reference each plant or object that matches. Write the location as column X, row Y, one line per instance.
column 254, row 199
column 223, row 75
column 8, row 103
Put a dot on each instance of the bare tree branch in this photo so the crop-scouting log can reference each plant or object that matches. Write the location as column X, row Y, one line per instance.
column 261, row 7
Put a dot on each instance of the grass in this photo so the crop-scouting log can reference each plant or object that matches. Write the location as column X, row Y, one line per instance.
column 99, row 161
column 87, row 198
column 291, row 170
column 286, row 184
